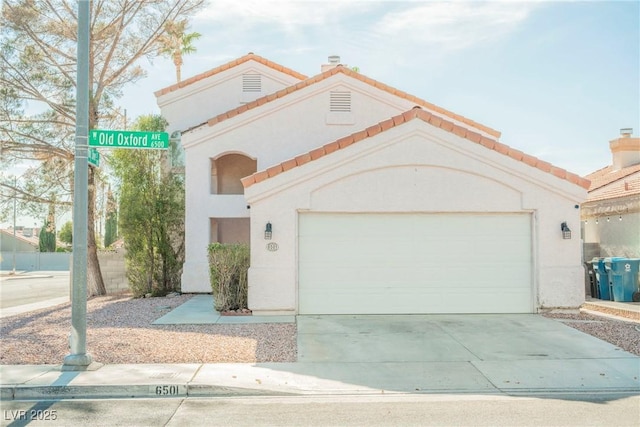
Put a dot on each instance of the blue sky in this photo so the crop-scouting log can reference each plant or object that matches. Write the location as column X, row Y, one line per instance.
column 558, row 79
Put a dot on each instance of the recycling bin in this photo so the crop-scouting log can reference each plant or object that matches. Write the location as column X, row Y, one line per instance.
column 623, row 275
column 602, row 279
column 608, row 267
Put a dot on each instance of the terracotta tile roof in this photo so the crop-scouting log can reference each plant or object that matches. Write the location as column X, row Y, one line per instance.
column 606, row 176
column 415, row 113
column 248, row 57
column 33, row 240
column 340, row 69
column 612, row 184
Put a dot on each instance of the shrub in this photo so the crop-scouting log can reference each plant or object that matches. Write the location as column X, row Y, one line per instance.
column 228, row 268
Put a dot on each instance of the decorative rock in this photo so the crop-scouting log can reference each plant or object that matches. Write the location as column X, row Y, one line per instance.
column 238, row 312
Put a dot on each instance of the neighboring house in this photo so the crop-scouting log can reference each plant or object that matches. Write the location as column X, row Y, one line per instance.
column 377, row 201
column 611, row 213
column 25, row 240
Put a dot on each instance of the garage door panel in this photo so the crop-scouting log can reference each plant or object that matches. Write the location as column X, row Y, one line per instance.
column 434, row 300
column 414, row 263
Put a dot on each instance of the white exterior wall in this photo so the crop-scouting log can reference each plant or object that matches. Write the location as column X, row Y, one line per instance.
column 289, row 126
column 415, row 168
column 200, row 101
column 282, row 129
column 188, row 107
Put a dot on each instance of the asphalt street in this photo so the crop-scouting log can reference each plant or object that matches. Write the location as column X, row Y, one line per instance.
column 388, row 410
column 32, row 288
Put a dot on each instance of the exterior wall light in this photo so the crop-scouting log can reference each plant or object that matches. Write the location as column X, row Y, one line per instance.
column 566, row 231
column 268, row 231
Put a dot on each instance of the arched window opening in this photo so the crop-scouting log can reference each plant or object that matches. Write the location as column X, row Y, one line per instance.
column 228, row 170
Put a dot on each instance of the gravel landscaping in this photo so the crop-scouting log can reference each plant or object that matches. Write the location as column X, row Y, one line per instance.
column 120, row 330
column 623, row 334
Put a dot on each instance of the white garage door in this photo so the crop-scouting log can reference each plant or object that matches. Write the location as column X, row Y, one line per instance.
column 414, row 263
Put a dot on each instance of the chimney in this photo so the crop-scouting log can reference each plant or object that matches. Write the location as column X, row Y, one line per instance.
column 625, row 150
column 334, row 61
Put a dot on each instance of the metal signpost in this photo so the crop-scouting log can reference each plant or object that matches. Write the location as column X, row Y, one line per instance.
column 79, row 359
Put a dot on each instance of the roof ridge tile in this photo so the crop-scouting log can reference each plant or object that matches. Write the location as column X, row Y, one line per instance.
column 345, row 141
column 317, row 153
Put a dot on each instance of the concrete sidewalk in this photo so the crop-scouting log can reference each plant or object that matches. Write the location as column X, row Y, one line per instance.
column 449, row 355
column 46, row 382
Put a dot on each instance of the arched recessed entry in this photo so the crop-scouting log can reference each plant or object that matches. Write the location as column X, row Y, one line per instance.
column 227, row 170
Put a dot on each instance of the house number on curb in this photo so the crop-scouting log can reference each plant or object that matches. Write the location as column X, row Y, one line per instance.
column 272, row 246
column 168, row 390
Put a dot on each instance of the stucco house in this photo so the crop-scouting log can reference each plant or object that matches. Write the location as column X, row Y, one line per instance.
column 23, row 240
column 611, row 213
column 360, row 198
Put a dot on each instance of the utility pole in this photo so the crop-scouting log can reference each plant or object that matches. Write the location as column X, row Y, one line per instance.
column 79, row 359
column 15, row 241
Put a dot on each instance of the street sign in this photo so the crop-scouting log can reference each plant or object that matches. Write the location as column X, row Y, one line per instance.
column 128, row 139
column 94, row 157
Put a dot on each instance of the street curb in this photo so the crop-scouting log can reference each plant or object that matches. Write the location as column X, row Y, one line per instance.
column 207, row 390
column 20, row 392
column 43, row 393
column 24, row 276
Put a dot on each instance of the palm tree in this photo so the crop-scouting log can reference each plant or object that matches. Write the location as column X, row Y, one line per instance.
column 175, row 43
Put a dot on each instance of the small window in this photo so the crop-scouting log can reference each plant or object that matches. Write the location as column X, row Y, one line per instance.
column 340, row 102
column 251, row 83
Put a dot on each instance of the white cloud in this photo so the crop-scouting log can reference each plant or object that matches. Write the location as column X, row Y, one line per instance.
column 357, row 30
column 288, row 15
column 455, row 25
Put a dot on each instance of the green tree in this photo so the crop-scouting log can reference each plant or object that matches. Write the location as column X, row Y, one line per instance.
column 151, row 216
column 66, row 233
column 47, row 236
column 38, row 43
column 176, row 42
column 111, row 224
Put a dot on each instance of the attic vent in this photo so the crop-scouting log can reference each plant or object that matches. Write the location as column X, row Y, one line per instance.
column 340, row 101
column 251, row 83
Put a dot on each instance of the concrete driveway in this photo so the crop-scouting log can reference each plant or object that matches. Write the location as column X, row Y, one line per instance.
column 462, row 353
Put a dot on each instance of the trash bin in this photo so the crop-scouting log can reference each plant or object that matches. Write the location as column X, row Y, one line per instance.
column 608, row 268
column 624, row 277
column 602, row 279
column 591, row 282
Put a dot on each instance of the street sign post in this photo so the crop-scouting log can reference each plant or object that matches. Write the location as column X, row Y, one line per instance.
column 94, row 157
column 78, row 358
column 128, row 139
